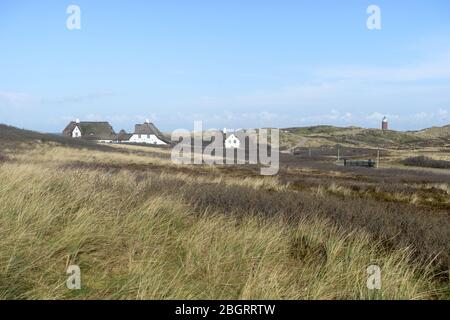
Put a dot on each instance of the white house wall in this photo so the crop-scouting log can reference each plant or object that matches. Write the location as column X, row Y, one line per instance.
column 146, row 138
column 232, row 142
column 76, row 133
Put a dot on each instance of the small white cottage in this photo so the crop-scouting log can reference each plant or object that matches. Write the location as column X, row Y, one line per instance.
column 232, row 142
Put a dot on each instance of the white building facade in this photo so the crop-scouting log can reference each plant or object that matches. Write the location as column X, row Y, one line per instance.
column 147, row 133
column 146, row 138
column 76, row 133
column 232, row 142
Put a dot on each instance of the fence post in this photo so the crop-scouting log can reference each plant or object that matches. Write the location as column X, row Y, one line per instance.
column 378, row 158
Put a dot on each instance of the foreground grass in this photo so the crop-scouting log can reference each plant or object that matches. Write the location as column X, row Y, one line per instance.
column 132, row 241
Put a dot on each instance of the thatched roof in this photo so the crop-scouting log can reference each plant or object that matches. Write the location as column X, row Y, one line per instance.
column 146, row 128
column 149, row 128
column 91, row 130
column 123, row 136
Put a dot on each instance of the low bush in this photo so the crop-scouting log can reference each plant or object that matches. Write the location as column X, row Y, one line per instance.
column 422, row 161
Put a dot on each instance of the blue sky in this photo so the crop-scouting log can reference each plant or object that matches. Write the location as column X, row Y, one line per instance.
column 228, row 63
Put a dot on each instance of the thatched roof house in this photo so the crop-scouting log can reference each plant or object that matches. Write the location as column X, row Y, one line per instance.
column 148, row 133
column 101, row 131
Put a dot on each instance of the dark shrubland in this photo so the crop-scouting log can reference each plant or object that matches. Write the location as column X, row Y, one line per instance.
column 422, row 161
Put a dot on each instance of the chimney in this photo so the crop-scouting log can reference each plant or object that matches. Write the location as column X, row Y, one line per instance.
column 77, row 121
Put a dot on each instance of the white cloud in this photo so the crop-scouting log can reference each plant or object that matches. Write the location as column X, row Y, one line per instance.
column 78, row 98
column 433, row 69
column 349, row 95
column 23, row 99
column 17, row 98
column 443, row 114
column 122, row 119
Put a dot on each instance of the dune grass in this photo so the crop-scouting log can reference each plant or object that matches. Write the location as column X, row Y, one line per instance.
column 133, row 241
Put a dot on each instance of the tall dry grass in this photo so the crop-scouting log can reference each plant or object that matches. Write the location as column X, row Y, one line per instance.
column 132, row 241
